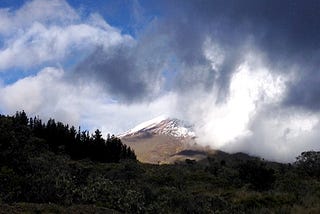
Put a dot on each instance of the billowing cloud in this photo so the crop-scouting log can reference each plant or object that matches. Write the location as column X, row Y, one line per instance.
column 53, row 33
column 224, row 92
column 131, row 72
column 48, row 95
column 55, row 11
column 280, row 135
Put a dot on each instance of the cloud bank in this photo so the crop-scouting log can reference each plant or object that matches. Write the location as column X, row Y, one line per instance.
column 245, row 73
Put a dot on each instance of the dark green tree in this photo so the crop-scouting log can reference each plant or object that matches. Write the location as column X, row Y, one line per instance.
column 308, row 163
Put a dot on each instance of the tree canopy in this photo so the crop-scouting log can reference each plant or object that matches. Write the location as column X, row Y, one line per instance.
column 60, row 138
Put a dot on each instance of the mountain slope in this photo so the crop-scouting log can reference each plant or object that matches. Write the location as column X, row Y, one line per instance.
column 164, row 140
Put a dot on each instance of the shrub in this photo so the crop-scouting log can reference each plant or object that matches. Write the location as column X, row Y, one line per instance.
column 257, row 174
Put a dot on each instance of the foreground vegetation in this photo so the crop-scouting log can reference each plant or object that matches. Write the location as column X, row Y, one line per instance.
column 69, row 171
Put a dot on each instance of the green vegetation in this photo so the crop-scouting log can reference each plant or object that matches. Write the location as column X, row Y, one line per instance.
column 53, row 168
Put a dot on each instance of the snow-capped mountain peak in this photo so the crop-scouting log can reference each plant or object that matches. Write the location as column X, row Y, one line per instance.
column 147, row 124
column 162, row 125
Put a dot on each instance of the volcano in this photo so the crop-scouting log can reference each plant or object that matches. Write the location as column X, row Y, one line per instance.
column 164, row 140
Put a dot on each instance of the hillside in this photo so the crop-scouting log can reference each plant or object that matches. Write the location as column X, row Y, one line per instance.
column 36, row 177
column 164, row 140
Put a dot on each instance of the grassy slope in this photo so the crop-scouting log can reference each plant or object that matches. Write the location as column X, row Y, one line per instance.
column 162, row 148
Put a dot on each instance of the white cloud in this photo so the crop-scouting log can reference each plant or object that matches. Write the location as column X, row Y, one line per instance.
column 252, row 118
column 52, row 33
column 117, row 118
column 44, row 11
column 252, row 87
column 47, row 94
column 35, row 94
column 214, row 54
column 280, row 134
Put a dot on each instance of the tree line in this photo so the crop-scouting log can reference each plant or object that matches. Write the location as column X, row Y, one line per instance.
column 76, row 143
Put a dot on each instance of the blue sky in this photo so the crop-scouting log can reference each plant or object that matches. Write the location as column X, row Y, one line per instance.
column 246, row 74
column 118, row 13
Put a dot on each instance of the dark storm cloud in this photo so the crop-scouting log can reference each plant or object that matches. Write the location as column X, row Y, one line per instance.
column 305, row 92
column 276, row 25
column 287, row 32
column 115, row 71
column 129, row 72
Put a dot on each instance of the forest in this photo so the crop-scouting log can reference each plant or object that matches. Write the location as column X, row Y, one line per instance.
column 53, row 168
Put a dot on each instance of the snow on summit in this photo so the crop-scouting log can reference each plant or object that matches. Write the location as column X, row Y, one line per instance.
column 162, row 125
